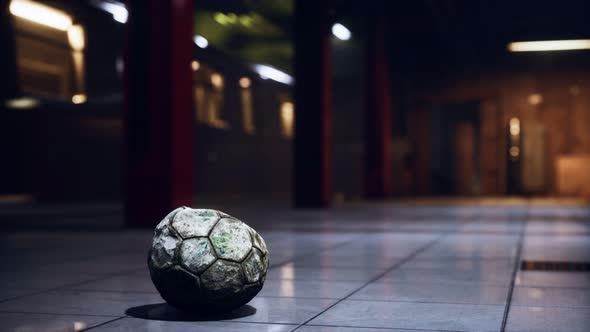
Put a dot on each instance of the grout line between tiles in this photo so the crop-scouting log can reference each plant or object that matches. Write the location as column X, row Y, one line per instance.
column 55, row 314
column 64, row 287
column 516, row 267
column 101, row 324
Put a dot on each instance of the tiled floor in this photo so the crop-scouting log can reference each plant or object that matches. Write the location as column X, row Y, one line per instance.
column 364, row 267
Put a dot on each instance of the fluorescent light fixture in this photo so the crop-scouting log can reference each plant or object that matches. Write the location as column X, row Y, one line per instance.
column 549, row 45
column 341, row 32
column 267, row 72
column 41, row 14
column 115, row 8
column 201, row 41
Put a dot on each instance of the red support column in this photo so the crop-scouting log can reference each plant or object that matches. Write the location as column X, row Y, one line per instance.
column 158, row 109
column 313, row 101
column 378, row 154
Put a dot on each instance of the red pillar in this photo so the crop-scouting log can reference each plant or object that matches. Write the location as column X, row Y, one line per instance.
column 158, row 109
column 378, row 154
column 313, row 101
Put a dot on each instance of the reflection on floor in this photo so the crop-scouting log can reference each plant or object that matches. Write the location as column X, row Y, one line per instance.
column 367, row 267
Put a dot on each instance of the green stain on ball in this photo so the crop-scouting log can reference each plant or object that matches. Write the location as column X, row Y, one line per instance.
column 221, row 242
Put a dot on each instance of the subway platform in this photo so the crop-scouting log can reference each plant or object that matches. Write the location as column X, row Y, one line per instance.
column 477, row 265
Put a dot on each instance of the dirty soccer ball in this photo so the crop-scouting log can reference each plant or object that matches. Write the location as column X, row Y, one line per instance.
column 205, row 261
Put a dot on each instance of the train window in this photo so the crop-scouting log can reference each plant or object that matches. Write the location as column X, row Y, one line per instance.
column 247, row 108
column 287, row 114
column 50, row 58
column 208, row 94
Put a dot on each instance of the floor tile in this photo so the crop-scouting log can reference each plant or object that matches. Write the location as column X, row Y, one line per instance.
column 553, row 279
column 309, row 288
column 544, row 319
column 310, row 328
column 131, row 282
column 456, row 317
column 80, row 302
column 488, row 276
column 551, row 296
column 9, row 293
column 289, row 271
column 283, row 310
column 439, row 292
column 29, row 322
column 346, row 261
column 41, row 281
column 134, row 324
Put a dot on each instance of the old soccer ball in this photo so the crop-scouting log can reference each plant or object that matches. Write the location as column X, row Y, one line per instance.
column 205, row 261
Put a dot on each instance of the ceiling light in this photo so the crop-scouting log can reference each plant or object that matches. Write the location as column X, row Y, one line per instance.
column 274, row 74
column 245, row 82
column 115, row 8
column 341, row 32
column 549, row 45
column 201, row 41
column 217, row 80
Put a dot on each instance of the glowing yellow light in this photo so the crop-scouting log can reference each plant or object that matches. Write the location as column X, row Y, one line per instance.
column 514, row 127
column 535, row 99
column 76, row 37
column 287, row 117
column 79, row 98
column 217, row 80
column 41, row 14
column 514, row 152
column 246, row 20
column 220, row 18
column 22, row 103
column 549, row 45
column 195, row 65
column 232, row 18
column 245, row 82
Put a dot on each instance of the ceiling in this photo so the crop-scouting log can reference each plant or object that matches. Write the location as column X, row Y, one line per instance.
column 423, row 35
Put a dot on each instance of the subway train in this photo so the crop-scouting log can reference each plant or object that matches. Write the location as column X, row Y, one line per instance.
column 62, row 117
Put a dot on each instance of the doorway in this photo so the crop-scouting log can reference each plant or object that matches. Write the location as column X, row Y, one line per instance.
column 455, row 149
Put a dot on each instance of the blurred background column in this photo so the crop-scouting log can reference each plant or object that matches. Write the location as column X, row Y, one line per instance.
column 421, row 137
column 158, row 109
column 378, row 152
column 313, row 102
